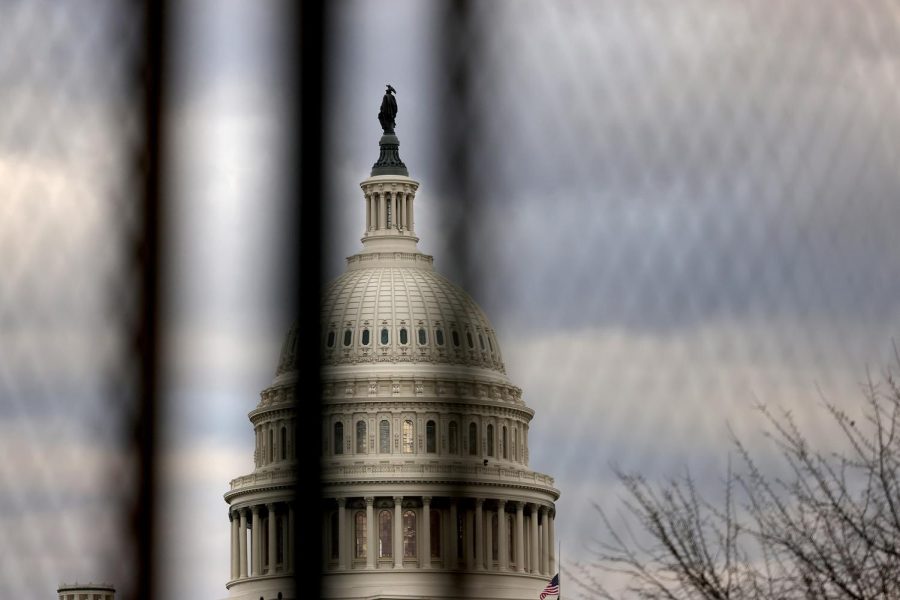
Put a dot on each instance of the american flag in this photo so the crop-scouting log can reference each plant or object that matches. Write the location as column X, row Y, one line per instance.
column 552, row 588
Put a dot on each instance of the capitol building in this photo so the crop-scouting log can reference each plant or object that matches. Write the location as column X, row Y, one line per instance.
column 426, row 487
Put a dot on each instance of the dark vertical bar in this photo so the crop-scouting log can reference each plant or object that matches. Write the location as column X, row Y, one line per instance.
column 457, row 132
column 146, row 332
column 308, row 513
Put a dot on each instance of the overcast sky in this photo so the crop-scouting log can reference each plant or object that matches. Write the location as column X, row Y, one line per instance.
column 681, row 210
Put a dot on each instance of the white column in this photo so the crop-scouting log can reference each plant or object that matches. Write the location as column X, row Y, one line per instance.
column 235, row 545
column 425, row 528
column 286, row 562
column 255, row 531
column 502, row 536
column 342, row 534
column 289, row 539
column 479, row 533
column 409, row 212
column 398, row 532
column 273, row 556
column 467, row 540
column 403, row 211
column 242, row 539
column 520, row 536
column 551, row 517
column 395, row 214
column 368, row 212
column 545, row 542
column 489, row 540
column 453, row 536
column 535, row 564
column 370, row 533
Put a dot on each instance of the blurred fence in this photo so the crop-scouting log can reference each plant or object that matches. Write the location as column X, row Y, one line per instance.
column 669, row 211
column 77, row 299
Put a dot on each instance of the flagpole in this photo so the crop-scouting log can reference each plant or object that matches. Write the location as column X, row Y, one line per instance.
column 559, row 567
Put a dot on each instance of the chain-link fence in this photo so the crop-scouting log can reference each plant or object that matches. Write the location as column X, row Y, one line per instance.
column 77, row 254
column 669, row 211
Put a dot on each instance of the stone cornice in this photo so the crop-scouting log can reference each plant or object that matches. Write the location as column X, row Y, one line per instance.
column 455, row 389
column 271, row 412
column 437, row 472
column 269, row 477
column 424, row 406
column 398, row 484
column 235, row 493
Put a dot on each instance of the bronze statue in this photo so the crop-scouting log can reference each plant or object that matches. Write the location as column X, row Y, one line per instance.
column 388, row 111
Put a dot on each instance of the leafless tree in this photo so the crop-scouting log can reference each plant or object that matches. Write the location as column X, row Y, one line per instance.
column 828, row 529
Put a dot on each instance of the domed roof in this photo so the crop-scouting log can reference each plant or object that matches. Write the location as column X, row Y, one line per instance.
column 399, row 310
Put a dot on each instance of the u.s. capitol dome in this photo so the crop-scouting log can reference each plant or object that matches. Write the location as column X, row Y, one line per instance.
column 425, row 474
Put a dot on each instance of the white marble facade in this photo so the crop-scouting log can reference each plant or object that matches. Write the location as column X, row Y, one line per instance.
column 426, row 485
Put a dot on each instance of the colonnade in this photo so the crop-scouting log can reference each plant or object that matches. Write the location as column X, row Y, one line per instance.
column 270, row 548
column 389, row 210
column 474, row 534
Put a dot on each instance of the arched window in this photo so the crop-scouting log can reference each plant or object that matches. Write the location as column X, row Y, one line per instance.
column 409, row 534
column 495, row 551
column 271, row 445
column 361, row 535
column 385, row 336
column 330, row 342
column 409, row 445
column 360, row 437
column 335, row 537
column 481, row 341
column 490, row 440
column 435, row 525
column 365, row 337
column 490, row 343
column 404, row 336
column 338, row 438
column 469, row 339
column 384, row 436
column 511, row 536
column 430, row 437
column 348, row 337
column 453, row 434
column 385, row 534
column 455, row 336
column 473, row 439
column 283, row 443
column 389, row 202
column 505, row 453
column 423, row 338
column 439, row 337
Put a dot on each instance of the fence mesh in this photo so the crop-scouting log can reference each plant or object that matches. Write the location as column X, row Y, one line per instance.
column 70, row 218
column 669, row 211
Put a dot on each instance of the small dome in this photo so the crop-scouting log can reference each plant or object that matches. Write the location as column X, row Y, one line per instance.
column 389, row 312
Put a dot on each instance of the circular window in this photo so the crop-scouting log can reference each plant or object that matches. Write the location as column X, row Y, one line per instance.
column 422, row 337
column 348, row 337
column 404, row 336
column 385, row 336
column 439, row 337
column 330, row 341
column 365, row 337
